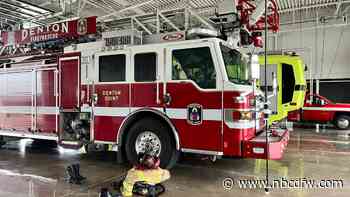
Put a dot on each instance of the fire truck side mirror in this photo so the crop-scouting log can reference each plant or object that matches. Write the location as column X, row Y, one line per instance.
column 94, row 98
column 274, row 83
column 254, row 67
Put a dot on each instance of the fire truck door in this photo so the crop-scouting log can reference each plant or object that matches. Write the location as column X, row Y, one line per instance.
column 148, row 64
column 69, row 82
column 111, row 90
column 194, row 97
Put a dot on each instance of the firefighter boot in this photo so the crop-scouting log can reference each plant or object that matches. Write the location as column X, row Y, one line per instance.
column 77, row 169
column 76, row 178
column 104, row 193
column 70, row 174
column 152, row 192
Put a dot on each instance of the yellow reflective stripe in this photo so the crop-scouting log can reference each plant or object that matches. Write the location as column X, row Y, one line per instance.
column 140, row 175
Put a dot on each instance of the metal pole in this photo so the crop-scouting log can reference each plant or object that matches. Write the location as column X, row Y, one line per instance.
column 317, row 92
column 266, row 100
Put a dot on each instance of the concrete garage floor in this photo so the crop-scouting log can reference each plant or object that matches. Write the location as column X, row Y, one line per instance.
column 28, row 169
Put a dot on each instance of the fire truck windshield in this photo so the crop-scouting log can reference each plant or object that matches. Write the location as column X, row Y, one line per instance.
column 236, row 65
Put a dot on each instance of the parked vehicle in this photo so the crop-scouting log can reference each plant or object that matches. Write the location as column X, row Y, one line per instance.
column 288, row 68
column 175, row 92
column 319, row 109
column 176, row 96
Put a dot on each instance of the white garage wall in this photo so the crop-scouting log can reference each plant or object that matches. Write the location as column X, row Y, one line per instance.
column 325, row 51
column 329, row 62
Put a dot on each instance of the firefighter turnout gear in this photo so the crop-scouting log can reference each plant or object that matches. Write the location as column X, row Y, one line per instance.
column 148, row 176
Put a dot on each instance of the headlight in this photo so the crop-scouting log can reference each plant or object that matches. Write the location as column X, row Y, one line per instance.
column 242, row 115
column 246, row 115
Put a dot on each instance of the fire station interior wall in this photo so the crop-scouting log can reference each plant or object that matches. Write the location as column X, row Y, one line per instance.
column 323, row 47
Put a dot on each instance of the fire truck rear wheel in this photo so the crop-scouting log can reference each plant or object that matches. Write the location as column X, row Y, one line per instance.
column 151, row 132
column 342, row 122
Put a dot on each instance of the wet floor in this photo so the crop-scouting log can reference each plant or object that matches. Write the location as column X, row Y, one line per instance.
column 32, row 169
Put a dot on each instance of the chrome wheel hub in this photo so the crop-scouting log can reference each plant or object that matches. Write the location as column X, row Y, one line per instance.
column 343, row 123
column 148, row 141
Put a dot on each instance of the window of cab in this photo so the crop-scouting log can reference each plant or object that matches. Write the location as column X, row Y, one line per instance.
column 145, row 67
column 194, row 64
column 112, row 68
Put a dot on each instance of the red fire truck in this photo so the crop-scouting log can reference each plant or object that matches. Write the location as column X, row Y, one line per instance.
column 180, row 96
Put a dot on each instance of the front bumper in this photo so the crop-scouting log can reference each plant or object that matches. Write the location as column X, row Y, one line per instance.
column 257, row 147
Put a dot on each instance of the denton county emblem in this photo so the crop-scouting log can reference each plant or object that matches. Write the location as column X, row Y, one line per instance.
column 82, row 26
column 194, row 114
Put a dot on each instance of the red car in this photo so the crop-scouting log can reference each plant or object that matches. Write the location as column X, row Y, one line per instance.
column 321, row 110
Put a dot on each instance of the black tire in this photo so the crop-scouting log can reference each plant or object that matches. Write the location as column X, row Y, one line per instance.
column 342, row 118
column 168, row 155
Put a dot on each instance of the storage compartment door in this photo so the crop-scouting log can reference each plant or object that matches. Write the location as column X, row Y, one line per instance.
column 69, row 83
column 46, row 100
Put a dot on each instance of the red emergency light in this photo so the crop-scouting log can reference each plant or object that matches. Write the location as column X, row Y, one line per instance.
column 247, row 7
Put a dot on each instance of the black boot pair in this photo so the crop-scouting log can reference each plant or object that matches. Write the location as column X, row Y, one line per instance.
column 105, row 193
column 148, row 190
column 74, row 175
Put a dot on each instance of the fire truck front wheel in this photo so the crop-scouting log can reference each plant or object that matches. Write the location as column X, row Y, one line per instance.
column 342, row 122
column 150, row 134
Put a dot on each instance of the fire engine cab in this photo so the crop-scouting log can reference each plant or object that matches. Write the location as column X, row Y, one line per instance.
column 178, row 95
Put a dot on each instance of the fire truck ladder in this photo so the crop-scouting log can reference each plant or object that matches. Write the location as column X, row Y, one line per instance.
column 163, row 21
